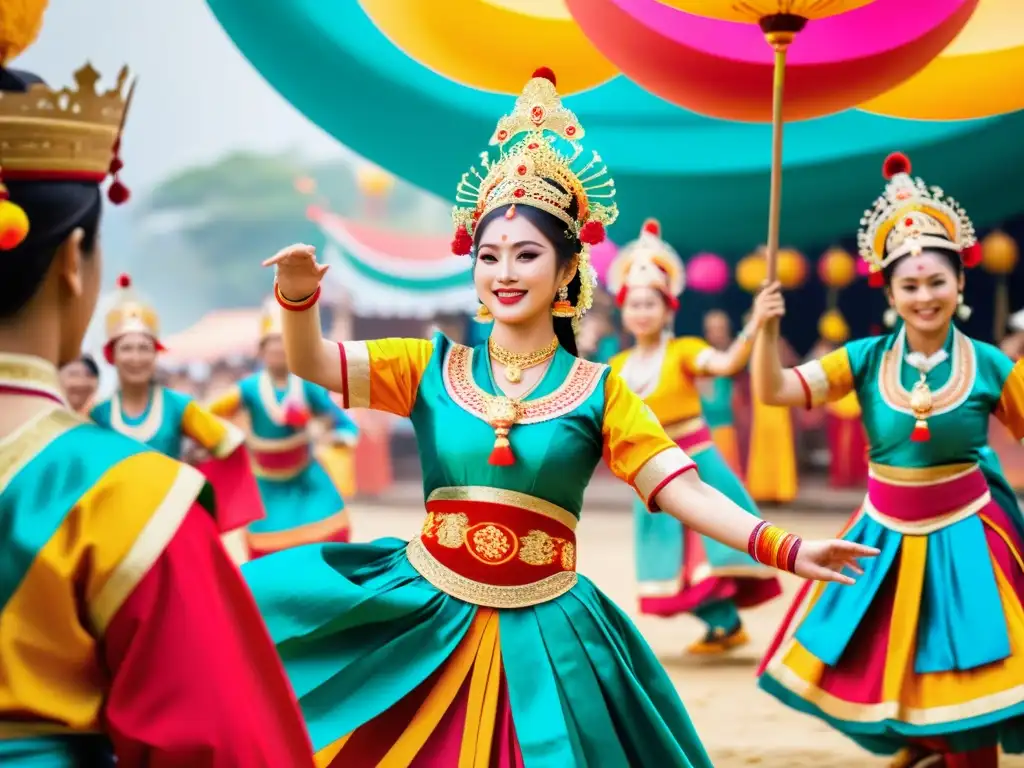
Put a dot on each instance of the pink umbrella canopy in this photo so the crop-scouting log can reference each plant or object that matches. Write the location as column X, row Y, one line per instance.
column 724, row 69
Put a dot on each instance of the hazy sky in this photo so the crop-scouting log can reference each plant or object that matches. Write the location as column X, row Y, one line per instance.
column 197, row 96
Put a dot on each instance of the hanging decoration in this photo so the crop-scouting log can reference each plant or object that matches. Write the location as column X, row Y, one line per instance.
column 832, row 327
column 751, row 272
column 707, row 273
column 792, row 268
column 999, row 254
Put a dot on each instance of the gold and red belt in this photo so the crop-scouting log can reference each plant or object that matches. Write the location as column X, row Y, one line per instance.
column 692, row 435
column 280, row 459
column 496, row 548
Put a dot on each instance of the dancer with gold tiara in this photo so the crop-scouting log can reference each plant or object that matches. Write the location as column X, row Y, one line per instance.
column 162, row 418
column 126, row 634
column 926, row 653
column 477, row 643
column 303, row 504
column 678, row 570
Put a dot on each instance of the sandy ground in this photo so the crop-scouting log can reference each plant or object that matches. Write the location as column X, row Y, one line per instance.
column 740, row 725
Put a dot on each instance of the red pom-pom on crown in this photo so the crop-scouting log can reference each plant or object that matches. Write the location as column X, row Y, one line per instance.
column 592, row 233
column 462, row 244
column 876, row 279
column 547, row 73
column 653, row 226
column 895, row 163
column 971, row 257
column 124, row 280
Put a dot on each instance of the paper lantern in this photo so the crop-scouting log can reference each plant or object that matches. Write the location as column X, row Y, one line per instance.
column 792, row 269
column 751, row 272
column 837, row 268
column 373, row 181
column 707, row 273
column 832, row 327
column 999, row 253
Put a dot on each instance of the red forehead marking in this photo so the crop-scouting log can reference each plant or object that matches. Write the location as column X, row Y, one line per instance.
column 504, row 238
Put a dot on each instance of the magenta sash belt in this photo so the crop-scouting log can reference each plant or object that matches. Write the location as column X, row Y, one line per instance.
column 920, row 501
column 690, row 434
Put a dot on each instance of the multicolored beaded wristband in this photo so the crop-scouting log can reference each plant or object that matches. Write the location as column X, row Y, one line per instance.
column 296, row 306
column 774, row 547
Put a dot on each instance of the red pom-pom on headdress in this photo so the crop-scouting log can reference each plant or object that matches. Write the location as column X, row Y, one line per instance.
column 653, row 226
column 124, row 280
column 876, row 279
column 971, row 257
column 462, row 244
column 592, row 233
column 895, row 163
column 547, row 73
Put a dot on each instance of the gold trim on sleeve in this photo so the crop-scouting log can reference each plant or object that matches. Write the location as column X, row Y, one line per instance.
column 357, row 367
column 150, row 544
column 663, row 465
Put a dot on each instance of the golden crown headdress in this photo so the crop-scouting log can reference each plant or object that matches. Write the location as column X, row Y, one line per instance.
column 648, row 262
column 270, row 320
column 909, row 217
column 70, row 134
column 538, row 143
column 129, row 313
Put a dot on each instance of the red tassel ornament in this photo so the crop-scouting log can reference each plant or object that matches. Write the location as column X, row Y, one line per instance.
column 502, row 414
column 921, row 433
column 592, row 233
column 547, row 73
column 895, row 163
column 501, row 454
column 971, row 257
column 462, row 244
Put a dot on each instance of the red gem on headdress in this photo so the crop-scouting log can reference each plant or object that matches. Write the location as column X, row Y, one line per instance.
column 876, row 280
column 537, row 114
column 521, row 170
column 570, row 130
column 462, row 245
column 908, row 221
column 895, row 163
column 653, row 227
column 124, row 280
column 519, row 192
column 592, row 233
column 971, row 257
column 546, row 73
column 502, row 134
column 532, row 145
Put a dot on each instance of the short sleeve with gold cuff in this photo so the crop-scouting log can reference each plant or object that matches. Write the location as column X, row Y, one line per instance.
column 383, row 375
column 827, row 379
column 636, row 448
column 694, row 354
column 219, row 437
column 1010, row 407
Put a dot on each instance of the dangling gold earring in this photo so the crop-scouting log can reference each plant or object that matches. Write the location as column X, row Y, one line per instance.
column 962, row 310
column 562, row 307
column 483, row 314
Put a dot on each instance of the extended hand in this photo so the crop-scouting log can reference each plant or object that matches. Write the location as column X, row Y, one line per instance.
column 825, row 560
column 298, row 273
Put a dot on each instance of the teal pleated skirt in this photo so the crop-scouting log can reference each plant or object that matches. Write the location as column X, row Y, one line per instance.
column 386, row 665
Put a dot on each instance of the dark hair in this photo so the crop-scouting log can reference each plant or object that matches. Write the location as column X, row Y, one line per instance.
column 951, row 256
column 90, row 363
column 54, row 209
column 566, row 244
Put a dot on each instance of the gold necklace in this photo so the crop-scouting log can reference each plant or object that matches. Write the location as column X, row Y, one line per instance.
column 516, row 363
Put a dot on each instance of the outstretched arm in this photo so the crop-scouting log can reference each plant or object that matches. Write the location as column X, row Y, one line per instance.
column 639, row 452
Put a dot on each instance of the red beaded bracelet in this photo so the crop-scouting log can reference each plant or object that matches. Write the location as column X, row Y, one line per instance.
column 296, row 306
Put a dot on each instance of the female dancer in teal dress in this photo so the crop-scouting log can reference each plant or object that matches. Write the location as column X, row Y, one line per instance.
column 163, row 418
column 925, row 655
column 302, row 503
column 679, row 571
column 477, row 644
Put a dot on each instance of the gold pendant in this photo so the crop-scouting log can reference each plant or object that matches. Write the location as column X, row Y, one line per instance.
column 513, row 373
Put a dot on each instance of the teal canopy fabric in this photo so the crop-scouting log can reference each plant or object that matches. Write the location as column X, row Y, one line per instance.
column 706, row 179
